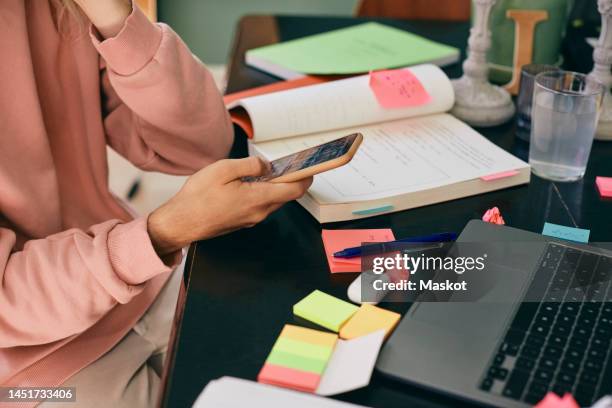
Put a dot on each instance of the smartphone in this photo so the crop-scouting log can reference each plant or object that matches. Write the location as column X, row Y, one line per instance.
column 314, row 160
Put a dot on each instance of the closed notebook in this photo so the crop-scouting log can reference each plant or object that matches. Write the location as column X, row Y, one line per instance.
column 410, row 156
column 352, row 50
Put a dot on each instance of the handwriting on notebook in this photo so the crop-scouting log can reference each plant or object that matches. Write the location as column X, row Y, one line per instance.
column 398, row 88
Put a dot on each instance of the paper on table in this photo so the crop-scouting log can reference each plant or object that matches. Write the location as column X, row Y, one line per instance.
column 361, row 48
column 567, row 233
column 337, row 105
column 424, row 149
column 229, row 392
column 604, row 185
column 398, row 88
column 337, row 240
column 351, row 365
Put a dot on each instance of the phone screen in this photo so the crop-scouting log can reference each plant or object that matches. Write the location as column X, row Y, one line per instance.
column 307, row 158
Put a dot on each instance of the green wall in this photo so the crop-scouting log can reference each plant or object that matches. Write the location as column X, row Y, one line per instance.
column 207, row 26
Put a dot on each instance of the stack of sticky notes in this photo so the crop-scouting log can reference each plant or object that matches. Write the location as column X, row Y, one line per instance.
column 318, row 362
column 604, row 185
column 324, row 310
column 337, row 240
column 343, row 317
column 298, row 358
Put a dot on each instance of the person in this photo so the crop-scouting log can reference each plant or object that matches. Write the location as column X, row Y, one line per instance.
column 87, row 289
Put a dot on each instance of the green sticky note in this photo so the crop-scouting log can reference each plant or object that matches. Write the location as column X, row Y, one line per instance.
column 296, row 362
column 324, row 310
column 357, row 49
column 303, row 349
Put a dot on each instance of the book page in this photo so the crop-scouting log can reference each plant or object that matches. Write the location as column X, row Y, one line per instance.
column 400, row 157
column 337, row 105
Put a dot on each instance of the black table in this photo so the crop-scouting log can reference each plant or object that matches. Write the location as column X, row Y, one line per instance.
column 240, row 288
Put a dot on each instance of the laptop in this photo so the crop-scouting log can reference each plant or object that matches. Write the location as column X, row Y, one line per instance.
column 512, row 353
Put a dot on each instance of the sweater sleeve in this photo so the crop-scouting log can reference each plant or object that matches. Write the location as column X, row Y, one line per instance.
column 163, row 111
column 61, row 285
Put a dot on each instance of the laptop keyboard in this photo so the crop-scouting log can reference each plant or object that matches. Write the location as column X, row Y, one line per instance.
column 561, row 343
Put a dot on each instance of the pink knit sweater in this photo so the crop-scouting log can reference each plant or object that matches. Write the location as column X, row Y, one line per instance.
column 76, row 270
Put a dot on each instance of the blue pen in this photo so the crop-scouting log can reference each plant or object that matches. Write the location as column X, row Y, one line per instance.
column 394, row 245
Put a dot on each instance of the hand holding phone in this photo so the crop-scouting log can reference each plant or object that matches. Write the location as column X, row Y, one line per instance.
column 311, row 161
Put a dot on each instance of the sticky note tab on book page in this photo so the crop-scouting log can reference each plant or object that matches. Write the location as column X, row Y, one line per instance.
column 497, row 176
column 337, row 240
column 398, row 88
column 567, row 233
column 325, row 310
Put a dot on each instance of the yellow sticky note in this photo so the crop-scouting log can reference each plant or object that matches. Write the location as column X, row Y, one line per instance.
column 369, row 319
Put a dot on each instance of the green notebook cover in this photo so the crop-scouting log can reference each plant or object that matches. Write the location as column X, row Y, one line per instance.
column 357, row 49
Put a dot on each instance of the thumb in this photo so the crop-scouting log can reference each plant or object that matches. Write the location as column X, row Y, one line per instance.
column 237, row 168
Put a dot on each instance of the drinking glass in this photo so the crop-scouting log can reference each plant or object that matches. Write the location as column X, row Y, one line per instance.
column 525, row 97
column 564, row 115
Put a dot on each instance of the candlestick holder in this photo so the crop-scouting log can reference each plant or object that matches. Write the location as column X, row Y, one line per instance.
column 602, row 58
column 477, row 101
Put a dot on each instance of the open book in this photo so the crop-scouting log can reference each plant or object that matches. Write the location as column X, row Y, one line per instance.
column 410, row 156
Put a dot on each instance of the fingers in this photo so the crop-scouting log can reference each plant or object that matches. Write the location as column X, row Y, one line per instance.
column 269, row 197
column 233, row 169
column 279, row 193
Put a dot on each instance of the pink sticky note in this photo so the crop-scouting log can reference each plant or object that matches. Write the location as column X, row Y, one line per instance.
column 288, row 377
column 497, row 176
column 337, row 240
column 398, row 88
column 604, row 185
column 552, row 400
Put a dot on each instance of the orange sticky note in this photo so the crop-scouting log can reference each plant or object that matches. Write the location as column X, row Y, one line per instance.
column 604, row 185
column 368, row 319
column 309, row 335
column 337, row 240
column 398, row 88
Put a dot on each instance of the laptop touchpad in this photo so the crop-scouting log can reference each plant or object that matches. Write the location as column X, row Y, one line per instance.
column 483, row 308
